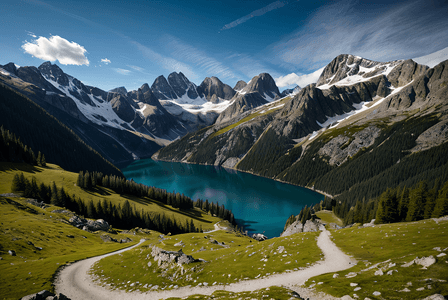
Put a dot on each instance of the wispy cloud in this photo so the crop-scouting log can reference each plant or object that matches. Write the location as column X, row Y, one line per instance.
column 255, row 13
column 165, row 62
column 105, row 61
column 57, row 48
column 248, row 65
column 122, row 71
column 407, row 30
column 182, row 51
column 31, row 34
column 136, row 68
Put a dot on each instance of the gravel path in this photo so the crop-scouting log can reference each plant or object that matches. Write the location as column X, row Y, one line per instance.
column 74, row 282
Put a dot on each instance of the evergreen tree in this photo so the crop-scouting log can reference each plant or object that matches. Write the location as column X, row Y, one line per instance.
column 441, row 205
column 17, row 185
column 387, row 208
column 417, row 202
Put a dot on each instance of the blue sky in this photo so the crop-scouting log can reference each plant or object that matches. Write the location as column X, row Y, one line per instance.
column 128, row 43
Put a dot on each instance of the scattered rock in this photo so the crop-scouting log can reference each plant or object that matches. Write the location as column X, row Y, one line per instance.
column 379, row 272
column 180, row 244
column 441, row 254
column 259, row 237
column 420, row 289
column 36, row 203
column 335, row 275
column 376, row 293
column 425, row 261
column 351, row 275
column 405, row 290
column 353, row 284
column 71, row 236
column 163, row 256
column 280, row 249
column 435, row 297
column 89, row 225
column 12, row 252
column 107, row 238
column 357, row 289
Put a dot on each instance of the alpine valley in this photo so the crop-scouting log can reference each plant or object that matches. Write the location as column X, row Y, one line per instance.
column 371, row 136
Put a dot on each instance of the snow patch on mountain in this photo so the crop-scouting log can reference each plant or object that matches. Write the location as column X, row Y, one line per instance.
column 360, row 75
column 101, row 113
column 433, row 59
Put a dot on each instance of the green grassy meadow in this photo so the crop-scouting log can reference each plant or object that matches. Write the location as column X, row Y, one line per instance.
column 68, row 180
column 388, row 247
column 234, row 259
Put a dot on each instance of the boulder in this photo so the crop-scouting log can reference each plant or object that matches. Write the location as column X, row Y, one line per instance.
column 163, row 256
column 45, row 295
column 259, row 237
column 12, row 252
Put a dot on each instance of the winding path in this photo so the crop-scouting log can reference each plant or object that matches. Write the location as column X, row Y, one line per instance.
column 74, row 282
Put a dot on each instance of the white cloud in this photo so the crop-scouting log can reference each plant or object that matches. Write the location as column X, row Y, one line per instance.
column 302, row 80
column 57, row 48
column 105, row 61
column 122, row 71
column 255, row 13
column 409, row 29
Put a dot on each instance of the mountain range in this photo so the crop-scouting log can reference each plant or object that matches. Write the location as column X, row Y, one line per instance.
column 125, row 125
column 379, row 121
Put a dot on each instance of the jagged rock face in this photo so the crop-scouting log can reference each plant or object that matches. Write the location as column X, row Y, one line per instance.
column 120, row 90
column 11, row 68
column 241, row 84
column 123, row 108
column 214, row 87
column 144, row 94
column 263, row 84
column 162, row 89
column 427, row 90
column 241, row 104
column 54, row 73
column 293, row 91
column 339, row 152
column 97, row 92
column 345, row 65
column 33, row 75
column 181, row 85
column 405, row 72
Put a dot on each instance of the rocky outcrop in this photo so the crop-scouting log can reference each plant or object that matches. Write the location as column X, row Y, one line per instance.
column 340, row 148
column 264, row 84
column 89, row 225
column 123, row 108
column 119, row 90
column 297, row 227
column 405, row 72
column 182, row 86
column 241, row 84
column 171, row 257
column 288, row 92
column 45, row 295
column 213, row 87
column 241, row 104
column 345, row 65
column 11, row 68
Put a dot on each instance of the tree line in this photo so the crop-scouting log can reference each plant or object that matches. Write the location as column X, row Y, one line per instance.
column 124, row 216
column 394, row 205
column 13, row 150
column 90, row 180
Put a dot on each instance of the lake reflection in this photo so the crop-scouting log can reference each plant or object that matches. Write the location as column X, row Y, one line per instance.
column 259, row 204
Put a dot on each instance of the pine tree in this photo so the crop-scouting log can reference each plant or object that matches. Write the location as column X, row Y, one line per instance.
column 16, row 185
column 417, row 202
column 441, row 205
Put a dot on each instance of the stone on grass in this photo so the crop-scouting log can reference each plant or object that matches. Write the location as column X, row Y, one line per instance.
column 441, row 254
column 379, row 272
column 353, row 284
column 376, row 293
column 435, row 297
column 425, row 261
column 406, row 290
column 12, row 252
column 335, row 275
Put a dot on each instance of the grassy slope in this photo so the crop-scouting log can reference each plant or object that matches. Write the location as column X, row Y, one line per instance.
column 242, row 260
column 267, row 109
column 68, row 181
column 329, row 217
column 25, row 227
column 387, row 244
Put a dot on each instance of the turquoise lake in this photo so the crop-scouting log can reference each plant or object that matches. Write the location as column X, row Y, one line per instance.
column 258, row 204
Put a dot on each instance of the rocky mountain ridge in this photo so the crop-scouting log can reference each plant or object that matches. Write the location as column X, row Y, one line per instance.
column 358, row 109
